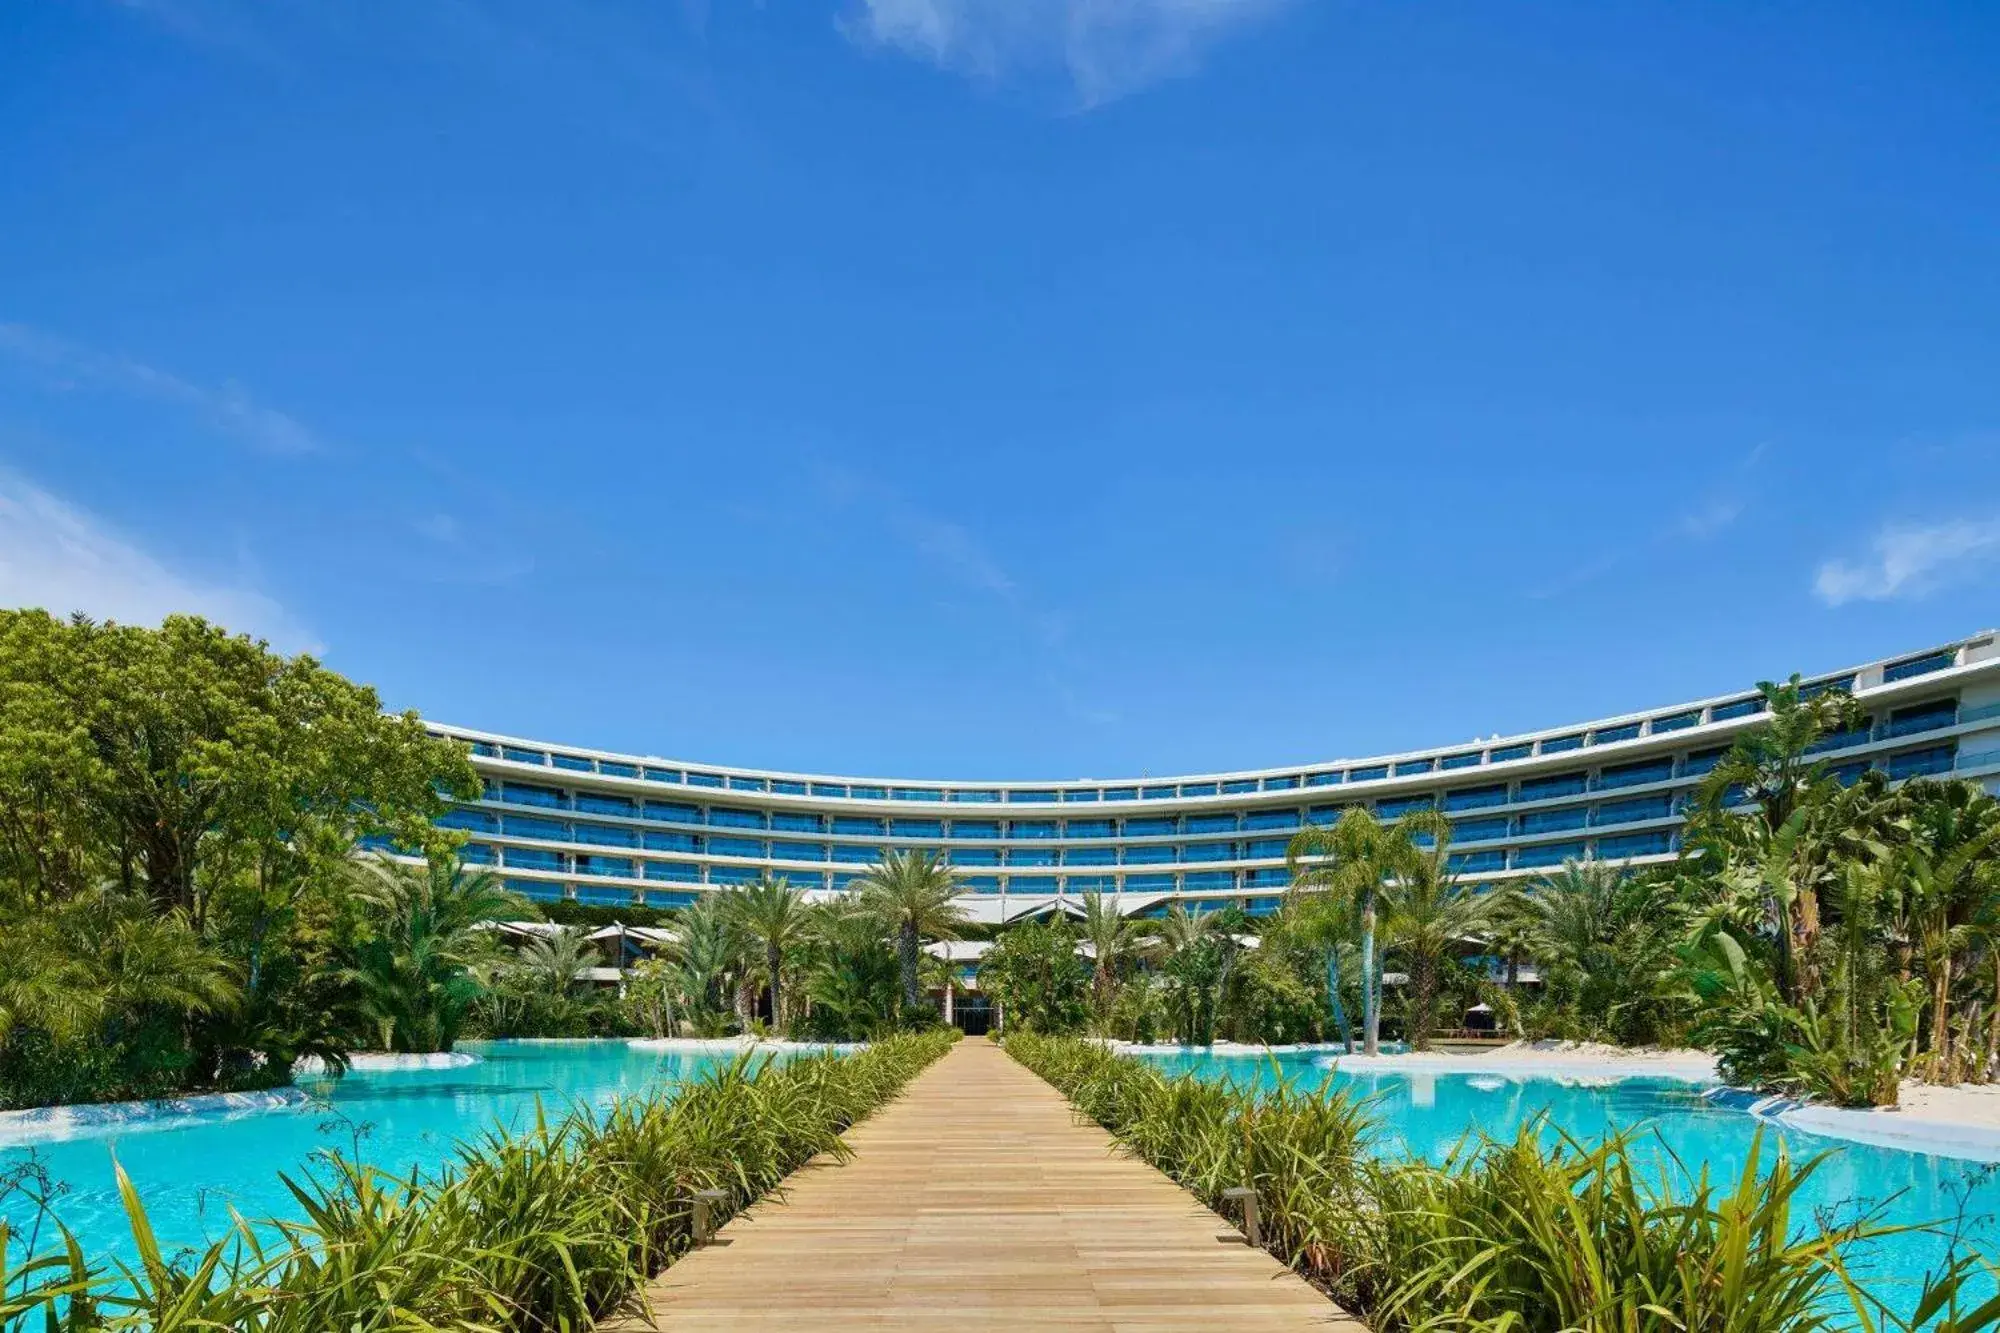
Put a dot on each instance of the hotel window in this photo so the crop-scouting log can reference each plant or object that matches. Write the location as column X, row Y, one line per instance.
column 1554, row 821
column 784, row 821
column 722, row 816
column 1368, row 774
column 1267, row 877
column 1478, row 830
column 844, row 879
column 576, row 763
column 1326, row 814
column 1265, row 849
column 616, row 770
column 1460, row 760
column 471, row 821
column 1090, row 883
column 704, row 779
column 1032, row 828
column 806, row 881
column 856, row 853
column 976, row 797
column 1198, row 789
column 916, row 794
column 1633, row 775
column 523, row 756
column 527, row 826
column 606, row 835
column 1236, row 786
column 1475, row 798
column 784, row 788
column 520, row 793
column 1635, row 844
column 1548, row 854
column 1090, row 856
column 975, row 828
column 916, row 828
column 478, row 854
column 1209, row 879
column 1559, row 744
column 1091, row 828
column 619, row 866
column 1849, row 773
column 868, row 793
column 537, row 889
column 798, row 851
column 1153, row 826
column 1281, row 784
column 1155, row 854
column 1323, row 779
column 532, row 858
column 1608, row 735
column 828, row 789
column 719, row 846
column 621, row 806
column 1500, row 754
column 673, row 814
column 1740, row 708
column 1628, row 812
column 663, row 775
column 1701, row 761
column 1157, row 793
column 1460, row 862
column 1031, row 884
column 1919, row 666
column 603, row 895
column 1397, row 807
column 1859, row 734
column 1921, row 763
column 1675, row 722
column 485, row 750
column 733, row 874
column 1121, row 793
column 1922, row 717
column 668, row 902
column 1813, row 689
column 973, row 856
column 1209, row 851
column 747, row 784
column 1036, row 797
column 858, row 826
column 1031, row 856
column 1091, row 794
column 672, row 842
column 981, row 883
column 1547, row 789
column 1211, row 823
column 1410, row 766
column 1258, row 821
column 1148, row 883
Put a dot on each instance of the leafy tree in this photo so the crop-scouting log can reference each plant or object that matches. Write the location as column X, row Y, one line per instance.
column 915, row 895
column 1351, row 859
column 852, row 975
column 771, row 913
column 417, row 970
column 1113, row 941
column 1432, row 915
column 1037, row 976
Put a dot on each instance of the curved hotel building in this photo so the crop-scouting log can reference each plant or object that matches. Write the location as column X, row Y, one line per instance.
column 615, row 829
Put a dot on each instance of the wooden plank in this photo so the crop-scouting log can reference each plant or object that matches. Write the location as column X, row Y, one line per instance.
column 978, row 1201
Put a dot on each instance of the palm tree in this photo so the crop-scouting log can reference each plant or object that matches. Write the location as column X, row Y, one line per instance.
column 1950, row 880
column 416, row 972
column 915, row 895
column 1431, row 913
column 1351, row 859
column 774, row 914
column 1191, row 958
column 557, row 961
column 1325, row 922
column 1113, row 939
column 853, row 975
column 708, row 953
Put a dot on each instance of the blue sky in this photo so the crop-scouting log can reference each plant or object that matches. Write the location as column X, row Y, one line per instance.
column 1051, row 389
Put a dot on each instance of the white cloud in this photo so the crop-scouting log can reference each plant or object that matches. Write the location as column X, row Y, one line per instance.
column 1908, row 560
column 1106, row 48
column 62, row 559
column 228, row 406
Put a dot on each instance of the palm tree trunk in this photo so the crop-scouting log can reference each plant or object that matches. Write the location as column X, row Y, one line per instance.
column 772, row 961
column 1992, row 1069
column 906, row 956
column 1333, row 994
column 1941, row 1019
column 1371, row 993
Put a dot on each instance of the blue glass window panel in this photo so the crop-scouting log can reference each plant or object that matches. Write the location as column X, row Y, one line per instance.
column 663, row 775
column 533, row 858
column 1032, row 828
column 1409, row 766
column 485, row 749
column 1919, row 666
column 1922, row 717
column 853, row 852
column 868, row 793
column 1034, row 797
column 1031, row 856
column 981, row 883
column 1262, row 820
column 723, row 816
column 472, row 821
column 1626, row 812
column 1148, row 883
column 520, row 756
column 1157, row 793
column 1548, row 854
column 607, row 835
column 1211, row 823
column 672, row 842
column 1269, row 875
column 1849, row 773
column 975, row 828
column 829, row 789
column 1323, row 779
column 737, row 783
column 975, row 856
column 1198, row 789
column 1397, row 807
column 859, row 825
column 1675, row 722
column 1236, row 786
column 1813, row 689
column 976, row 795
column 917, row 828
column 1558, row 744
column 1545, row 789
column 1325, row 814
column 917, row 794
column 1368, row 774
column 1261, row 906
column 1632, row 775
column 1475, row 798
column 620, row 866
column 1607, row 735
column 673, row 814
column 1701, row 761
column 603, row 895
column 592, row 803
column 1091, row 828
column 520, row 793
column 842, row 879
column 611, row 768
column 798, row 851
column 1281, row 784
column 527, row 826
column 1152, row 826
column 1460, row 760
column 1209, row 879
column 1476, row 830
column 786, row 787
column 1031, row 884
column 721, row 846
column 733, row 874
column 1155, row 854
column 1263, row 849
column 803, row 880
column 1121, row 793
column 540, row 890
column 1502, row 753
column 1459, row 862
column 1921, row 763
column 1090, row 883
column 788, row 821
column 1635, row 844
column 1740, row 708
column 478, row 854
column 704, row 779
column 1082, row 794
column 1209, row 851
column 1841, row 740
column 1090, row 856
column 1554, row 821
column 670, row 901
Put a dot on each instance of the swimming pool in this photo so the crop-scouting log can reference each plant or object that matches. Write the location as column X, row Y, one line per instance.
column 1428, row 1114
column 191, row 1171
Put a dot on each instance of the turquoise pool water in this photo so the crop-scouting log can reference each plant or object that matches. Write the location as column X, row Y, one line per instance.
column 1429, row 1114
column 192, row 1173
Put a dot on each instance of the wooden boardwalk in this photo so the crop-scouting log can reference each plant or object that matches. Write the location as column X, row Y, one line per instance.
column 977, row 1201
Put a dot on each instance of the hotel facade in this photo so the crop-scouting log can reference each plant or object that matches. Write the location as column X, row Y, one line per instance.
column 616, row 829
